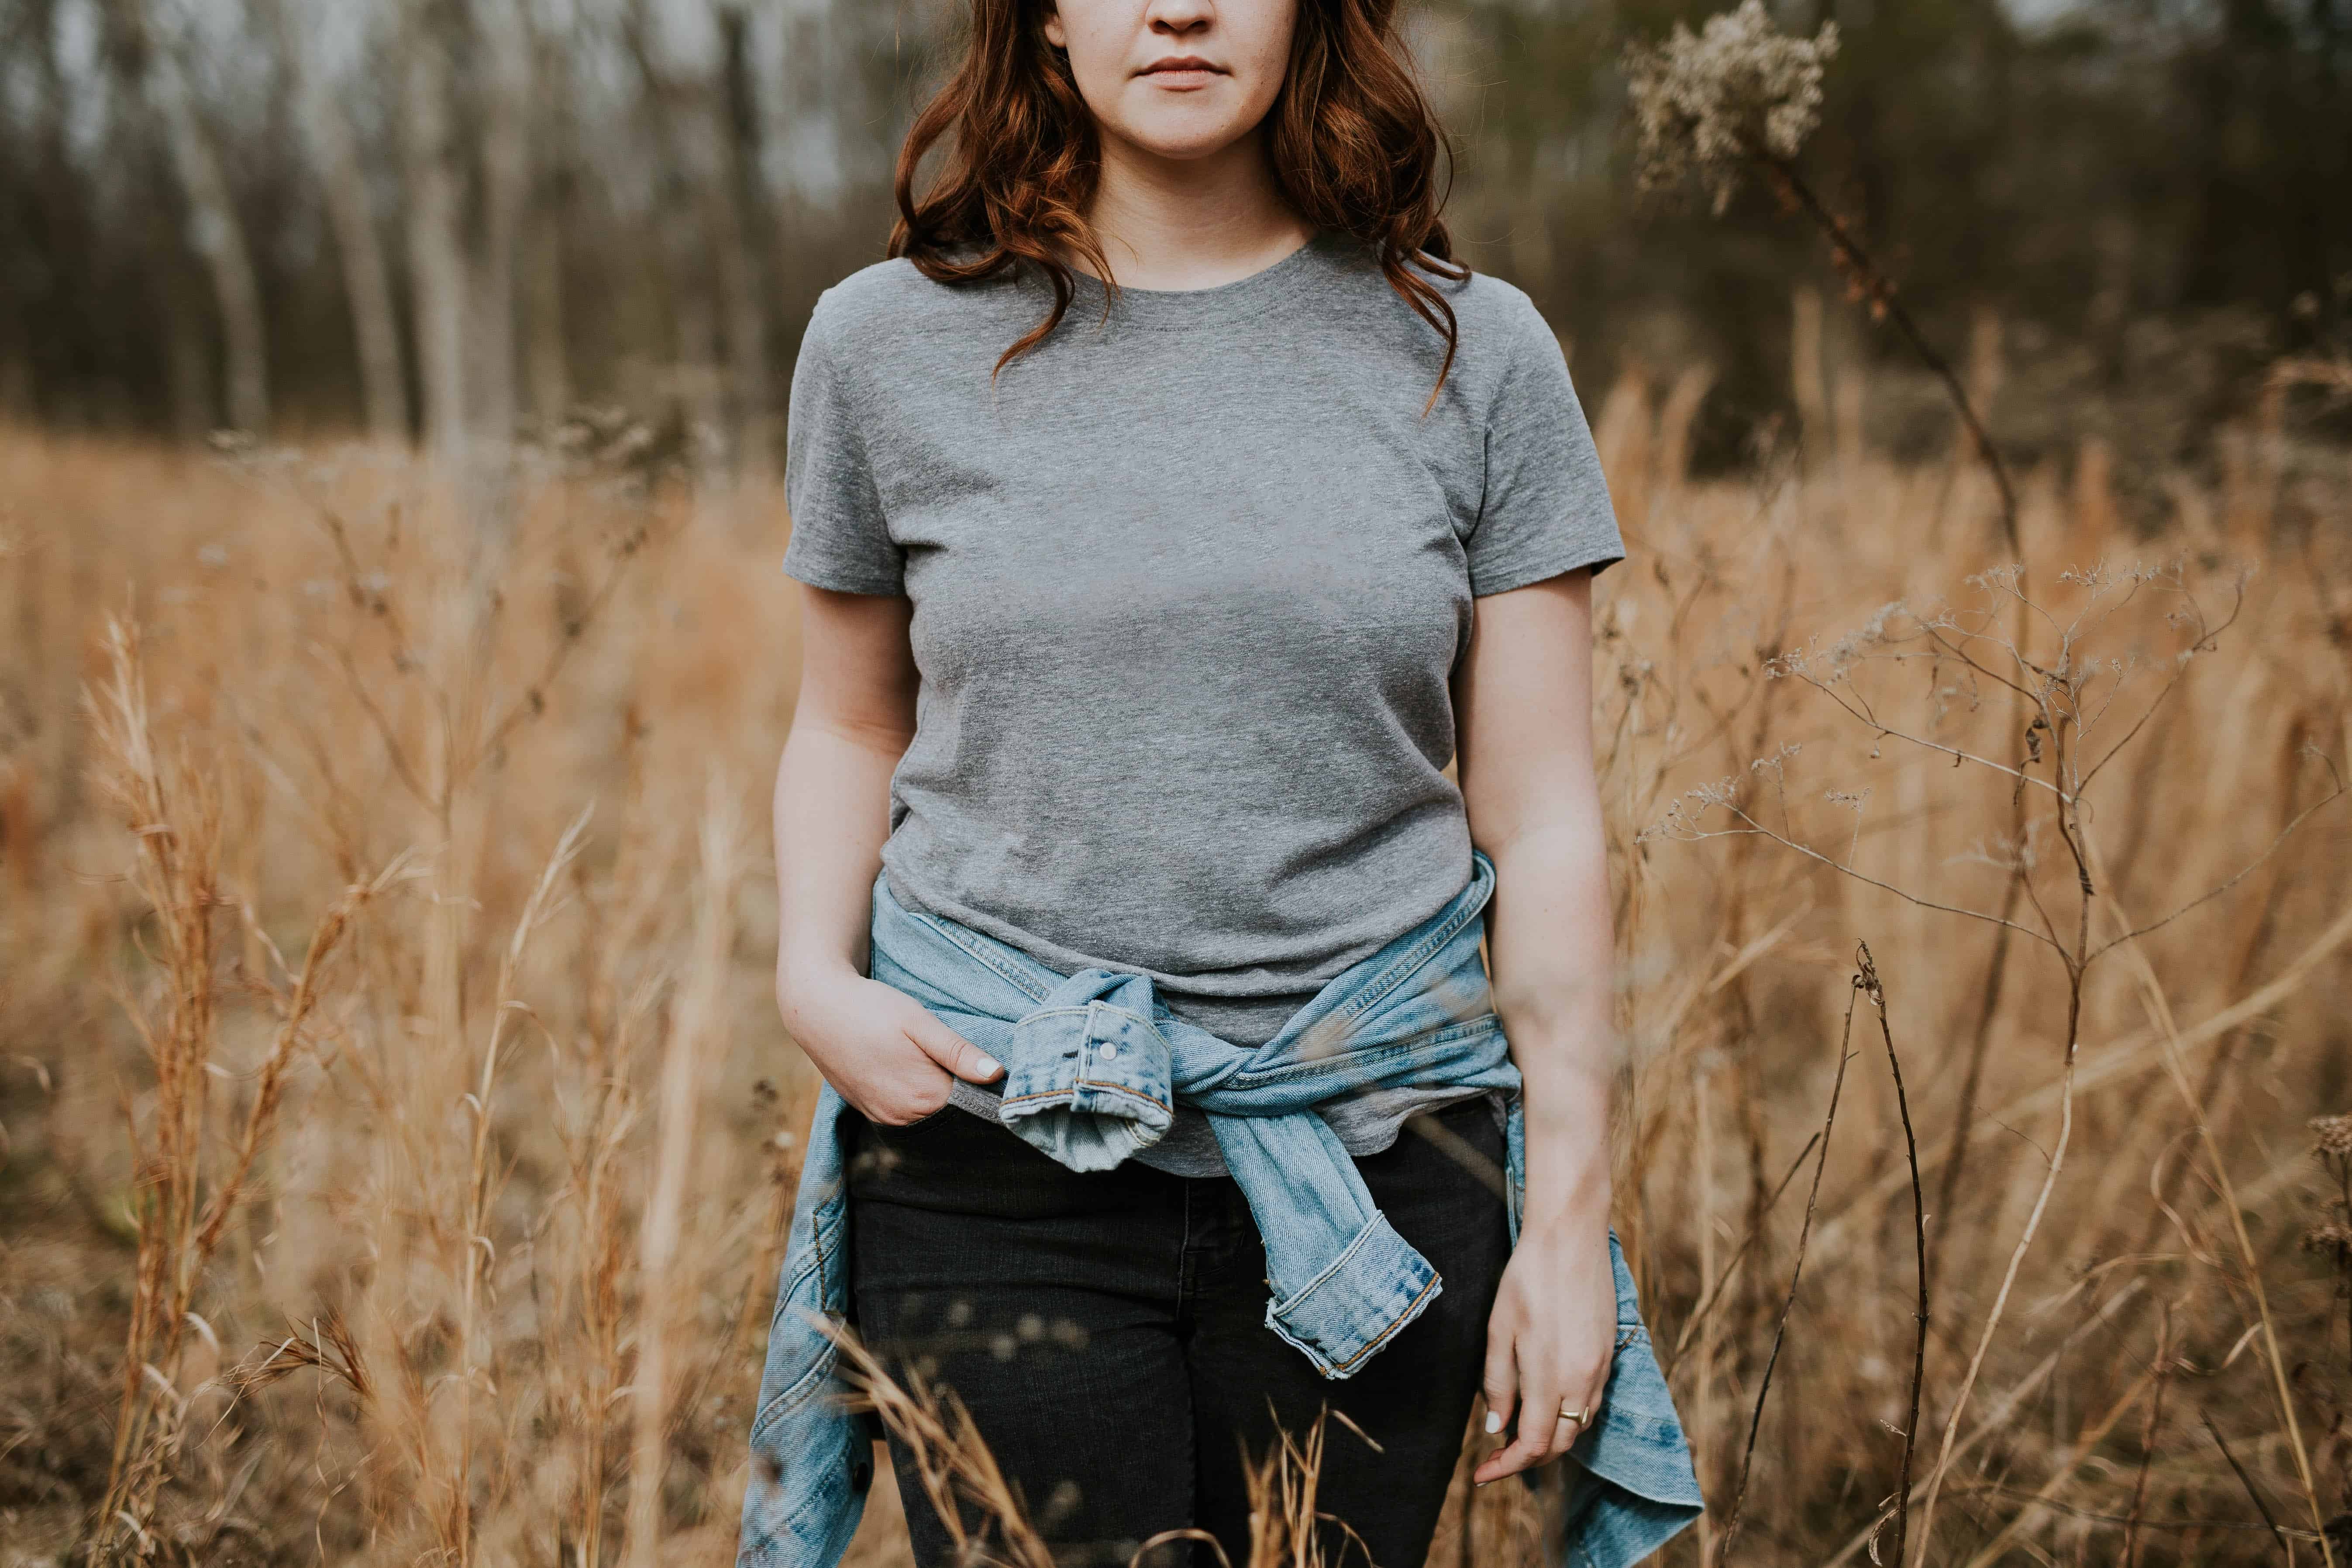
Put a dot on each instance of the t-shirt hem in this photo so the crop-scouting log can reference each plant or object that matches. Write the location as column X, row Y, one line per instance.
column 818, row 575
column 1502, row 580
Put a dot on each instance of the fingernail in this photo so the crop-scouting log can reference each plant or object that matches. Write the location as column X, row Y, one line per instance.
column 1493, row 1425
column 988, row 1066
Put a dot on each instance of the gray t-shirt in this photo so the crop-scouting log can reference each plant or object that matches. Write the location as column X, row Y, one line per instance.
column 1188, row 583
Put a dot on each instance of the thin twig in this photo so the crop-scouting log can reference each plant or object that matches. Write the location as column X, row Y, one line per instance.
column 2016, row 1261
column 2159, row 1010
column 1811, row 852
column 2221, row 888
column 2086, row 1441
column 1788, row 1302
column 2248, row 1482
column 2002, row 1411
column 1723, row 1276
column 1884, row 300
column 1868, row 981
column 2147, row 1437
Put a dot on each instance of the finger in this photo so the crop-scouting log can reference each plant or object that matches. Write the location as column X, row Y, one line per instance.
column 1501, row 1379
column 951, row 1050
column 1594, row 1390
column 1538, row 1434
column 1572, row 1433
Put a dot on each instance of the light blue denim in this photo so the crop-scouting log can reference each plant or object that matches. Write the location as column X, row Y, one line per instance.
column 1095, row 1063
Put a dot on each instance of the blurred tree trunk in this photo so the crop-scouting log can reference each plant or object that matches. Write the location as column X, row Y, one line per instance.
column 52, row 209
column 703, row 187
column 502, row 58
column 367, row 276
column 464, row 273
column 136, row 143
column 219, row 237
column 681, row 252
column 738, row 143
column 547, row 369
column 436, row 251
column 187, row 356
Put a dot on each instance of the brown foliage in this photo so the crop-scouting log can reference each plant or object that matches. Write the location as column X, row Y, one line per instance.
column 454, row 1241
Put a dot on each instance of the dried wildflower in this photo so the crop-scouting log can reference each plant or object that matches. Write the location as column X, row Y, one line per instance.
column 2333, row 1136
column 1706, row 104
column 2332, row 1142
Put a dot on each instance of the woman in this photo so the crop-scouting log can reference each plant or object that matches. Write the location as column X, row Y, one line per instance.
column 1141, row 501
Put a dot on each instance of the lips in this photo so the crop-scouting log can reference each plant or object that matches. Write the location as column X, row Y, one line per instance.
column 1183, row 66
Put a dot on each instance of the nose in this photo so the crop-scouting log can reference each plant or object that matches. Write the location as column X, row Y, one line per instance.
column 1181, row 18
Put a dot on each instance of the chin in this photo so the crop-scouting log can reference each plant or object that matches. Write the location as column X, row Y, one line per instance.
column 1182, row 138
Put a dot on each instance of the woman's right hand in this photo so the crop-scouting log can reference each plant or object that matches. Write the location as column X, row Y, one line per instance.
column 880, row 1048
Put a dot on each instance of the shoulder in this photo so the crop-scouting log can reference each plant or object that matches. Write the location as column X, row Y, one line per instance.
column 873, row 297
column 1500, row 325
column 1496, row 317
column 1504, row 350
column 891, row 307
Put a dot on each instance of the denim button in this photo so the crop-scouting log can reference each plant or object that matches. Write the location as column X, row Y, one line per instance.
column 1109, row 1052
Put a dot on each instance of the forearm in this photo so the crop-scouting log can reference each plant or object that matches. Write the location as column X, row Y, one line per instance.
column 832, row 816
column 1551, row 954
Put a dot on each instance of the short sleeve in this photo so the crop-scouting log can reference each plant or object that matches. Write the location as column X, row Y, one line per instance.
column 1546, row 507
column 840, row 538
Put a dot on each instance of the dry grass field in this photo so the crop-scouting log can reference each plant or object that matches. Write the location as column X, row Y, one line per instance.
column 395, row 1126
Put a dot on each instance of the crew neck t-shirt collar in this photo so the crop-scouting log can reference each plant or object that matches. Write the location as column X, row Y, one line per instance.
column 1262, row 292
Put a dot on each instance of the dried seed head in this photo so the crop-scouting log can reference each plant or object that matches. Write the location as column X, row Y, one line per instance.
column 2333, row 1135
column 1707, row 103
column 2334, row 1237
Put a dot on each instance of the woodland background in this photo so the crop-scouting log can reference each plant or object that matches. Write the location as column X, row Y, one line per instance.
column 396, row 1127
column 430, row 217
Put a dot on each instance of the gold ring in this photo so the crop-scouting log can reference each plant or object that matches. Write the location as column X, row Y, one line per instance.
column 1580, row 1418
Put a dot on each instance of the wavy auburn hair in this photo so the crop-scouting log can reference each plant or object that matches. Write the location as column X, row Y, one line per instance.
column 1352, row 140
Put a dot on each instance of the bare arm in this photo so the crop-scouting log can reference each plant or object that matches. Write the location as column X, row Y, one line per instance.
column 855, row 715
column 1524, row 716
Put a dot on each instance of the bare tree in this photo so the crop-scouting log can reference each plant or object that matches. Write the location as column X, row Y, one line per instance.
column 367, row 276
column 466, row 153
column 736, row 123
column 437, row 249
column 502, row 102
column 547, row 220
column 700, row 144
column 216, row 236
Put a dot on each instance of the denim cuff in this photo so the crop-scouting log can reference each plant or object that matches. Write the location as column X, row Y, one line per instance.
column 1375, row 1287
column 1088, row 1081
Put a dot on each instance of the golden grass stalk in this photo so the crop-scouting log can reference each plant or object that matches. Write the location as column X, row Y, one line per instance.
column 2151, row 992
column 322, row 665
column 988, row 1523
column 173, row 816
column 693, row 1030
column 172, row 810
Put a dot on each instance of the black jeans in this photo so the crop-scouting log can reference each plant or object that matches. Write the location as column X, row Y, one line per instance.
column 1107, row 1331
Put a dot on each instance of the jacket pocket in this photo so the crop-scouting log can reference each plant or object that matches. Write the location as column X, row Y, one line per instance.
column 800, row 1357
column 813, row 1296
column 812, row 1457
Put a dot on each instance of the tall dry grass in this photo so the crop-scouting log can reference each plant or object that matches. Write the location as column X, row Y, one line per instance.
column 398, row 1130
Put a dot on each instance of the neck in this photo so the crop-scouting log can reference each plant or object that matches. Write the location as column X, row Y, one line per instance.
column 1192, row 223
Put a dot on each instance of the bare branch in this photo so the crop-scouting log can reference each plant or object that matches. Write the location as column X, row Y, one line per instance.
column 2242, row 873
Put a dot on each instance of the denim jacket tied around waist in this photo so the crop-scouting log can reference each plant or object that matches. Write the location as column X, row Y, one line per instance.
column 1095, row 1065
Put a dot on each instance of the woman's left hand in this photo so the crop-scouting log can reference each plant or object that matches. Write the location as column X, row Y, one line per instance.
column 1549, row 1342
